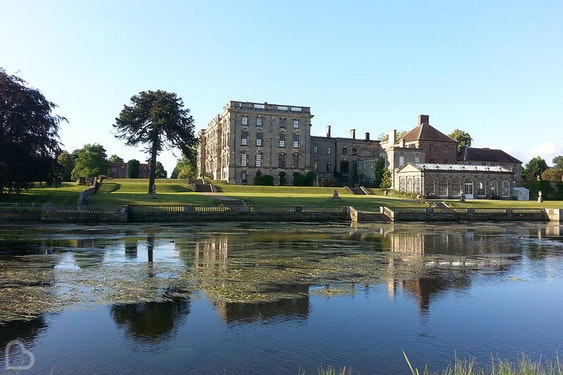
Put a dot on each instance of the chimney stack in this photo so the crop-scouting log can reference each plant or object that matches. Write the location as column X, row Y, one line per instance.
column 328, row 131
column 353, row 133
column 367, row 136
column 392, row 137
column 423, row 119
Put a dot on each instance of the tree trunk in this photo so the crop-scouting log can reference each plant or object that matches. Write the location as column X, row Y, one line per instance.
column 152, row 170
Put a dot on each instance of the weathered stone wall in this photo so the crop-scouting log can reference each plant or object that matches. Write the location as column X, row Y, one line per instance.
column 84, row 214
column 470, row 214
column 195, row 213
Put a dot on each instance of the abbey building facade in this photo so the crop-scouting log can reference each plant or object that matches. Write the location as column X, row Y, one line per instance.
column 251, row 139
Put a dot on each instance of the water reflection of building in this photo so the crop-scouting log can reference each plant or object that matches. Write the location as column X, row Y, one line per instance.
column 211, row 252
column 447, row 257
column 293, row 308
column 452, row 242
column 211, row 258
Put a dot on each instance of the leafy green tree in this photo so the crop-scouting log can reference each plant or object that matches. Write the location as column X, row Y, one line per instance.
column 91, row 161
column 558, row 162
column 534, row 169
column 160, row 171
column 115, row 159
column 66, row 161
column 133, row 168
column 29, row 143
column 379, row 171
column 185, row 168
column 158, row 120
column 463, row 138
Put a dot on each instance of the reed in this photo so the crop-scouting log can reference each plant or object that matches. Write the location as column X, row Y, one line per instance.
column 498, row 366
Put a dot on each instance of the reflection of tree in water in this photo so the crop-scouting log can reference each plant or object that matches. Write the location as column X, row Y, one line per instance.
column 24, row 331
column 151, row 322
column 432, row 285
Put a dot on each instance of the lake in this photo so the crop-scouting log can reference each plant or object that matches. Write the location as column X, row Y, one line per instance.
column 276, row 298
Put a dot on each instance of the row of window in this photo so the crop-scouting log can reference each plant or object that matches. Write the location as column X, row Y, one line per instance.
column 329, row 150
column 258, row 160
column 282, row 121
column 244, row 140
column 444, row 187
column 402, row 159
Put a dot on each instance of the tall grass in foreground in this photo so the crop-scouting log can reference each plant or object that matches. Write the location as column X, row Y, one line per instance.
column 498, row 366
column 524, row 366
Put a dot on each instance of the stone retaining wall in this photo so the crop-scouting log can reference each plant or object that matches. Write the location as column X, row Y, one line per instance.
column 470, row 214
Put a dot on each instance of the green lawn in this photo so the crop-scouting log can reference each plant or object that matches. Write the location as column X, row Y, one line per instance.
column 170, row 192
column 67, row 194
column 134, row 191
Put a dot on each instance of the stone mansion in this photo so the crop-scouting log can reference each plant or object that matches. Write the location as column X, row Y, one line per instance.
column 249, row 138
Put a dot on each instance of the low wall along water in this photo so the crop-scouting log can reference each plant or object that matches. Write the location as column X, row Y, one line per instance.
column 186, row 213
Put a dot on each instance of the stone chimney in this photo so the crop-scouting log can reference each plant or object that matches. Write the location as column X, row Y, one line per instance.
column 353, row 133
column 423, row 119
column 367, row 136
column 392, row 137
column 328, row 131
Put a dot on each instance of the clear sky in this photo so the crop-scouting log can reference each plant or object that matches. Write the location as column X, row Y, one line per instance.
column 491, row 68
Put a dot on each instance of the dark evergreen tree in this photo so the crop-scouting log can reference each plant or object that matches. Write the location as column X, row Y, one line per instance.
column 379, row 170
column 158, row 120
column 133, row 168
column 160, row 171
column 29, row 143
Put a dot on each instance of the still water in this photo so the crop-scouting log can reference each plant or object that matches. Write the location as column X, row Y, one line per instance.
column 276, row 298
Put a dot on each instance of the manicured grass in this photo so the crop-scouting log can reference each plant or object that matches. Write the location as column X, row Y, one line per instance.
column 173, row 192
column 134, row 191
column 490, row 203
column 309, row 196
column 67, row 194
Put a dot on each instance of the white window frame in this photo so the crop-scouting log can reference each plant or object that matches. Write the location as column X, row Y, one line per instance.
column 258, row 160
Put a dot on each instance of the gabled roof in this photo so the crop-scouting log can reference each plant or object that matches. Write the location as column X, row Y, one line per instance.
column 426, row 132
column 485, row 154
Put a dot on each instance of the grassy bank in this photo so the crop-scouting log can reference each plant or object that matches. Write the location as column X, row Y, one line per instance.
column 177, row 192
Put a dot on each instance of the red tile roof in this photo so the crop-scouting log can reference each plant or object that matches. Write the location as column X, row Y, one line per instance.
column 426, row 132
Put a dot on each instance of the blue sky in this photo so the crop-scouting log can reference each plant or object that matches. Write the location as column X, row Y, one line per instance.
column 491, row 68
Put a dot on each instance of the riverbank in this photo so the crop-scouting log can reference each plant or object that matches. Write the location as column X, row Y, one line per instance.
column 125, row 200
column 240, row 212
